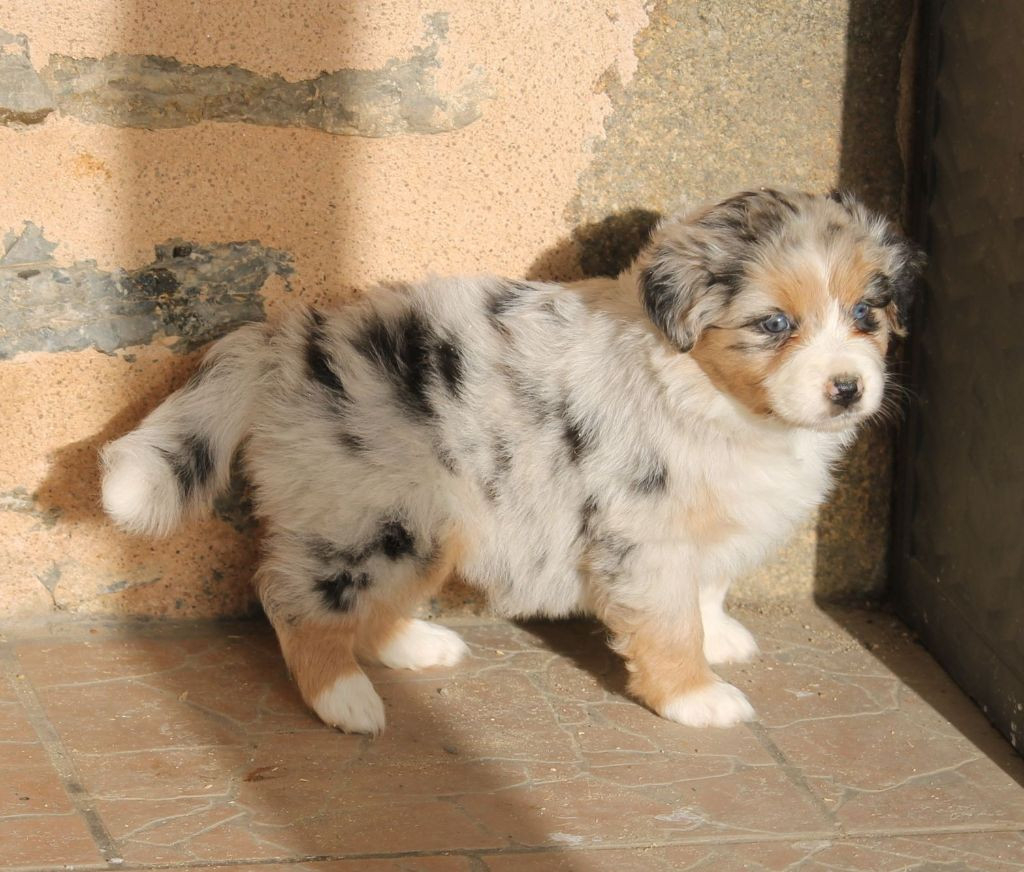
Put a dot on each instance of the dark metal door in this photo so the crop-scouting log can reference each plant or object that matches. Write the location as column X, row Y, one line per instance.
column 959, row 540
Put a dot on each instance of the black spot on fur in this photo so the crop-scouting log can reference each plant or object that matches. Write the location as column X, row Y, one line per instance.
column 587, row 512
column 339, row 591
column 782, row 200
column 325, row 551
column 450, row 365
column 402, row 350
column 501, row 302
column 318, row 358
column 446, row 458
column 394, row 541
column 528, row 394
column 730, row 277
column 574, row 439
column 193, row 465
column 502, row 457
column 502, row 463
column 352, row 442
column 608, row 552
column 578, row 439
column 654, row 481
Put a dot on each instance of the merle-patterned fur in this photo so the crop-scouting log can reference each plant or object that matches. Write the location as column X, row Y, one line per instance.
column 556, row 441
column 192, row 464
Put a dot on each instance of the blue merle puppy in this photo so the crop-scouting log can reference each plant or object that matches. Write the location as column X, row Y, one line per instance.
column 615, row 447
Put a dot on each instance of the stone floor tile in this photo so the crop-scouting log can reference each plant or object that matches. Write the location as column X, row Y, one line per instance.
column 39, row 825
column 399, row 864
column 988, row 852
column 236, row 683
column 879, row 733
column 47, row 840
column 193, row 747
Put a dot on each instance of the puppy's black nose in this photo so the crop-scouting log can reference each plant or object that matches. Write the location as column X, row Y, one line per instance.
column 844, row 390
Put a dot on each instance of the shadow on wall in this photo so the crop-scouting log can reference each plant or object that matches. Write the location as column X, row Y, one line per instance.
column 853, row 528
column 598, row 248
column 880, row 105
column 245, row 179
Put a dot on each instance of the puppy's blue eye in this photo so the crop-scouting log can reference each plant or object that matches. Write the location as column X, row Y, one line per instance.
column 777, row 323
column 861, row 311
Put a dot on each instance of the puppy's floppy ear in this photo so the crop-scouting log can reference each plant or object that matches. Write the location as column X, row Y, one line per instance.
column 696, row 265
column 907, row 262
column 675, row 288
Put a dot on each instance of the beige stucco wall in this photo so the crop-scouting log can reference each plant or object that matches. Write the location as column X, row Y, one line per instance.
column 520, row 124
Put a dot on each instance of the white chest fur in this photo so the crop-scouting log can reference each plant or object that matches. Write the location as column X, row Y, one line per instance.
column 735, row 498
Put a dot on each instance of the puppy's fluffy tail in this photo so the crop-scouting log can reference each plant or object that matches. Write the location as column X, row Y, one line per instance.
column 179, row 458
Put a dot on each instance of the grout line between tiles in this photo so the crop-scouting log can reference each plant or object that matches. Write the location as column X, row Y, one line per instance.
column 527, row 850
column 795, row 776
column 58, row 755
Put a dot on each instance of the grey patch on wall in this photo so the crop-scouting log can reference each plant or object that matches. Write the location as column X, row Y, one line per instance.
column 126, row 584
column 50, row 578
column 21, row 501
column 151, row 92
column 192, row 293
column 24, row 97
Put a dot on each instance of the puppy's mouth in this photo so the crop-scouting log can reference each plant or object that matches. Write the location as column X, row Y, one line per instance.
column 838, row 422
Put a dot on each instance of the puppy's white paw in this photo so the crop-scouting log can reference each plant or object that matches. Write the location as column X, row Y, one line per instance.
column 715, row 705
column 726, row 640
column 351, row 704
column 420, row 644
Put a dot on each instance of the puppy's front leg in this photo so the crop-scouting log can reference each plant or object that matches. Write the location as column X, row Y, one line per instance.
column 726, row 640
column 663, row 645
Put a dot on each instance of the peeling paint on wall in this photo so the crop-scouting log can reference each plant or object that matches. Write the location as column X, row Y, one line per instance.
column 24, row 97
column 150, row 91
column 191, row 292
column 21, row 501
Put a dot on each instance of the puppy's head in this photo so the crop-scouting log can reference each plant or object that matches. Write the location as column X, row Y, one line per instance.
column 788, row 301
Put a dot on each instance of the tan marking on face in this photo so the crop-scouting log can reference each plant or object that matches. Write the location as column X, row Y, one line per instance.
column 738, row 370
column 803, row 286
column 853, row 268
column 663, row 662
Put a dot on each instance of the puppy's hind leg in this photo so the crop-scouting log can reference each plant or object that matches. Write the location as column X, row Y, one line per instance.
column 315, row 616
column 389, row 636
column 320, row 656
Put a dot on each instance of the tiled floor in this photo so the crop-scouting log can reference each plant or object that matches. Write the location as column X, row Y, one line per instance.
column 175, row 746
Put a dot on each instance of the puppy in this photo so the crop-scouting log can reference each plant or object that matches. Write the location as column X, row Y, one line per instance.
column 616, row 447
